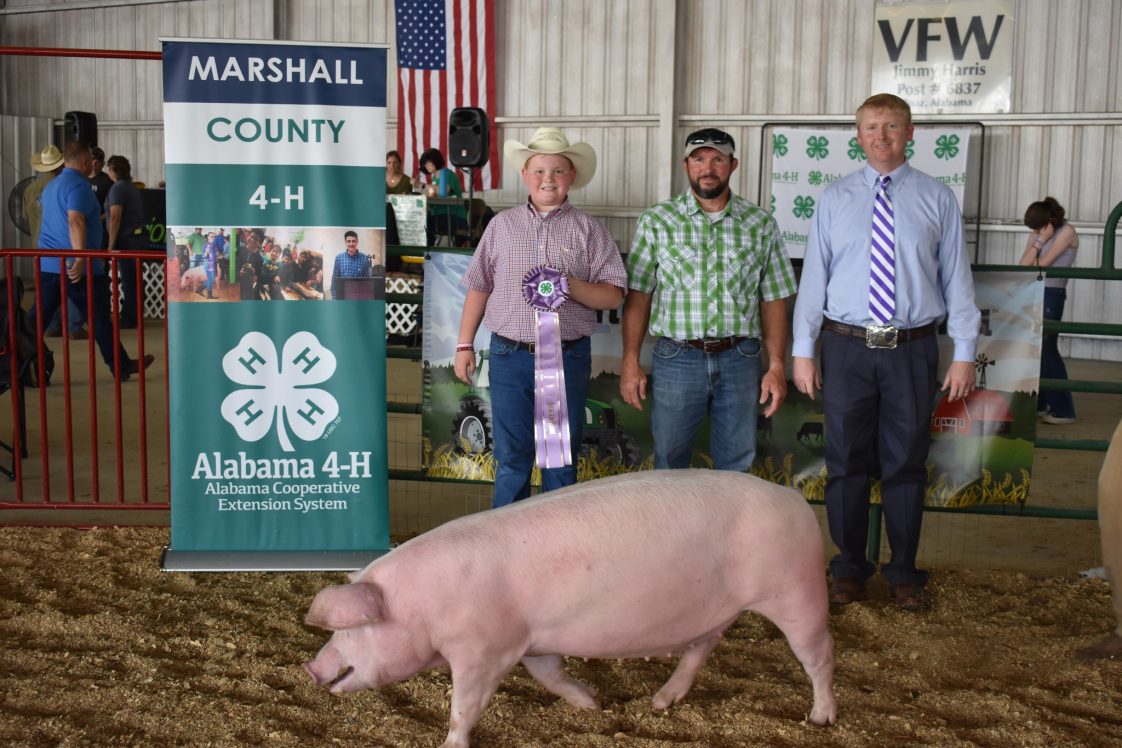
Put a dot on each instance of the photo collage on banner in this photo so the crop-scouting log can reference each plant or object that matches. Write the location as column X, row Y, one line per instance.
column 276, row 192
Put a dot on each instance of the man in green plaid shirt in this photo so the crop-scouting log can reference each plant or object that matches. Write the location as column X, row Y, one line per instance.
column 709, row 277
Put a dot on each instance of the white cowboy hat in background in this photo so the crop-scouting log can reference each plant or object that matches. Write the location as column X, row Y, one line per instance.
column 551, row 141
column 49, row 159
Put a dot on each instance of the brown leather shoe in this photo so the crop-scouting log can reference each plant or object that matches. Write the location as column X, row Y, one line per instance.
column 846, row 590
column 910, row 597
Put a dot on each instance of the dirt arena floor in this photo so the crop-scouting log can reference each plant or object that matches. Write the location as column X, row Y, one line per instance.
column 101, row 648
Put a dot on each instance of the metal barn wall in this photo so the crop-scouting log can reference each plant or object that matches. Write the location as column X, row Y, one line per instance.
column 631, row 77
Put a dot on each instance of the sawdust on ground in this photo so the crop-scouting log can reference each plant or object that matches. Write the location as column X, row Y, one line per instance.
column 100, row 648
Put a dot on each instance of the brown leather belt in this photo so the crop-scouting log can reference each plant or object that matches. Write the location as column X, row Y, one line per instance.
column 854, row 331
column 565, row 344
column 715, row 345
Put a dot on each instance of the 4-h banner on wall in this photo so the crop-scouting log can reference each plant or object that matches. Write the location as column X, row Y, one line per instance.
column 805, row 161
column 276, row 193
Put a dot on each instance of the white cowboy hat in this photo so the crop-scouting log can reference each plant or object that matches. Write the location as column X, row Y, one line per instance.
column 48, row 160
column 550, row 140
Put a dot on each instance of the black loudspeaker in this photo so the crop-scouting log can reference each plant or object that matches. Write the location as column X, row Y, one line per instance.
column 469, row 137
column 81, row 127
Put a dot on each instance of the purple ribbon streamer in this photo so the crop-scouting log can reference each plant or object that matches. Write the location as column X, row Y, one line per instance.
column 551, row 410
column 545, row 289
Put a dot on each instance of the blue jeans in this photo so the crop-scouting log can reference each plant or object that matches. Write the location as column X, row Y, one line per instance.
column 1060, row 404
column 511, row 375
column 687, row 383
column 51, row 292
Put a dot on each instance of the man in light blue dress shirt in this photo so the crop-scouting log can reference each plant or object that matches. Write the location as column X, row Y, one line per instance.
column 879, row 380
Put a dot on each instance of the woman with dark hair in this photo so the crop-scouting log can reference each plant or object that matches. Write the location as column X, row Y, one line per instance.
column 443, row 219
column 1052, row 243
column 396, row 181
column 124, row 214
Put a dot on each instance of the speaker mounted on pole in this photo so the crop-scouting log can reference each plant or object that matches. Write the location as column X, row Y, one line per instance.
column 469, row 137
column 80, row 127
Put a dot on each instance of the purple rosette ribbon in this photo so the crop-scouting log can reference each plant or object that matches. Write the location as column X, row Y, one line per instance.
column 545, row 289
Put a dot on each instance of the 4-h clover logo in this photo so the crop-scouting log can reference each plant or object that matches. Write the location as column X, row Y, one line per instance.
column 909, row 149
column 279, row 388
column 946, row 147
column 772, row 204
column 779, row 145
column 814, row 178
column 804, row 207
column 816, row 147
column 855, row 153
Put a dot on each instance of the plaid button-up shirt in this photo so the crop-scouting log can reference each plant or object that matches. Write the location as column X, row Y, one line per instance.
column 707, row 278
column 518, row 240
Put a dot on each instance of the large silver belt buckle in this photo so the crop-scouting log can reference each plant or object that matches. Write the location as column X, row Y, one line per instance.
column 880, row 336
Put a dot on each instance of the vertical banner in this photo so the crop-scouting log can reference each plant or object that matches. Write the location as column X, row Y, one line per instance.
column 275, row 169
column 805, row 161
column 946, row 58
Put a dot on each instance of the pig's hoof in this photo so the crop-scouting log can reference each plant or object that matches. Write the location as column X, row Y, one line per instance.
column 583, row 697
column 667, row 698
column 1107, row 649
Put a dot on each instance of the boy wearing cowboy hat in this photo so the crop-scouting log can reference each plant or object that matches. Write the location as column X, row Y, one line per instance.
column 548, row 231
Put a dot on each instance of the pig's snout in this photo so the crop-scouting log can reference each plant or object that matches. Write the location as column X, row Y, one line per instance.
column 322, row 676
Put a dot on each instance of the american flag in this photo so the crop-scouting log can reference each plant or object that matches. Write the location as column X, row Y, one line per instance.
column 445, row 59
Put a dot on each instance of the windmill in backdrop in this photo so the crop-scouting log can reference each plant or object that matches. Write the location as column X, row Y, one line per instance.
column 445, row 60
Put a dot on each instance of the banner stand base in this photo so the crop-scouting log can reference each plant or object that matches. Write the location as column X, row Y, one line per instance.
column 172, row 560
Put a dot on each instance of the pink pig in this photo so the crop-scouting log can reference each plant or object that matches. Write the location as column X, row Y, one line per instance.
column 636, row 565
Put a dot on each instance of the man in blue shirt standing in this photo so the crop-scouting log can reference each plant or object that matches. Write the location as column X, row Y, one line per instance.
column 350, row 264
column 72, row 221
column 885, row 262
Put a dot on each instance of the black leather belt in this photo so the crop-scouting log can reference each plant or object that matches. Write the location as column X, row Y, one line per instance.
column 889, row 335
column 715, row 345
column 565, row 344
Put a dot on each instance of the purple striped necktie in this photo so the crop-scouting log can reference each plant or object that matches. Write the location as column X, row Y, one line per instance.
column 882, row 278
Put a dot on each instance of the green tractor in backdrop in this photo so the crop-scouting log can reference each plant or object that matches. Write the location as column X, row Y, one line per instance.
column 602, row 437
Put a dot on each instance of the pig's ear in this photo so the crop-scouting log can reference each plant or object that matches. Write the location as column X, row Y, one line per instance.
column 345, row 606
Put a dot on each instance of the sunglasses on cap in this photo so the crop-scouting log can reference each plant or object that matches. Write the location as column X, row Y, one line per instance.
column 710, row 135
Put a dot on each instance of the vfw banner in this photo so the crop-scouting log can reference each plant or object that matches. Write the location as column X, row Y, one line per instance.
column 946, row 58
column 805, row 161
column 276, row 193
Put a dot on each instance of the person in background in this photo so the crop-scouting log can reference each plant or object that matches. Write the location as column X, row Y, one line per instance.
column 71, row 221
column 1052, row 243
column 196, row 242
column 349, row 264
column 885, row 263
column 222, row 247
column 210, row 262
column 442, row 182
column 48, row 163
column 124, row 214
column 396, row 181
column 100, row 181
column 546, row 230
